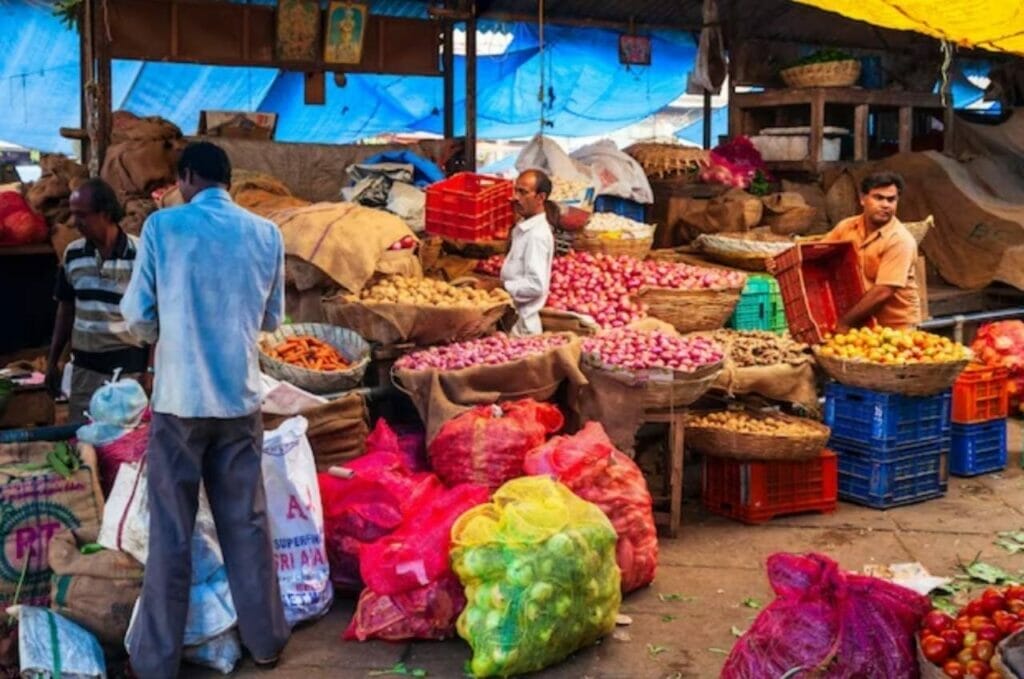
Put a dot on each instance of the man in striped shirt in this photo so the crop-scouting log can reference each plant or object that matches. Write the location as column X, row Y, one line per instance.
column 93, row 276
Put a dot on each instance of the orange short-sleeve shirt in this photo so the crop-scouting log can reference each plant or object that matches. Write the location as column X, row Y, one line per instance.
column 888, row 256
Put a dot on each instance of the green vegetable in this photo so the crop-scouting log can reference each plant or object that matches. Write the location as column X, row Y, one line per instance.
column 399, row 669
column 824, row 56
column 750, row 602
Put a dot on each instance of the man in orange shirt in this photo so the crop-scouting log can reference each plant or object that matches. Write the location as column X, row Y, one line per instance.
column 888, row 257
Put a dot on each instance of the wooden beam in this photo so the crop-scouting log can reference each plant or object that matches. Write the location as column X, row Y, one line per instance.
column 448, row 73
column 471, row 89
column 86, row 74
column 906, row 128
column 707, row 119
column 314, row 88
column 860, row 132
column 817, row 128
column 517, row 17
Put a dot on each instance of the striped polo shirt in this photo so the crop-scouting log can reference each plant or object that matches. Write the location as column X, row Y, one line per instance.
column 100, row 339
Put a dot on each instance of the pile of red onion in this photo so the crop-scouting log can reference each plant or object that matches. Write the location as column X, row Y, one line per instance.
column 640, row 350
column 600, row 285
column 491, row 266
column 492, row 350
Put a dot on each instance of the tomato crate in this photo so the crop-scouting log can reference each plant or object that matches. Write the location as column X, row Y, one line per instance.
column 630, row 209
column 881, row 424
column 978, row 448
column 470, row 207
column 755, row 492
column 981, row 394
column 820, row 282
column 759, row 306
column 913, row 476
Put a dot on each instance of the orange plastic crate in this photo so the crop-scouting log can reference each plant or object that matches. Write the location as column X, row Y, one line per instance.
column 755, row 492
column 470, row 207
column 819, row 283
column 981, row 394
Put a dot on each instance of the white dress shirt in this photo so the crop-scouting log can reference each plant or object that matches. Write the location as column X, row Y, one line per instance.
column 526, row 273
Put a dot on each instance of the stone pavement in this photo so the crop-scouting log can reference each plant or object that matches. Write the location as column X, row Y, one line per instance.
column 714, row 566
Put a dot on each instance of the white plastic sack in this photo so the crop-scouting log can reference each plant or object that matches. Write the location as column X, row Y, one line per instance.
column 52, row 646
column 296, row 521
column 125, row 525
column 545, row 154
column 614, row 172
column 409, row 203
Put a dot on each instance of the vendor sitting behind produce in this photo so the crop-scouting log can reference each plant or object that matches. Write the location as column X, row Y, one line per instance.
column 526, row 274
column 888, row 257
column 93, row 276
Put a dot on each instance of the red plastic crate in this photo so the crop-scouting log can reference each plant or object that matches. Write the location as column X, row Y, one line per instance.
column 981, row 394
column 755, row 492
column 819, row 282
column 470, row 207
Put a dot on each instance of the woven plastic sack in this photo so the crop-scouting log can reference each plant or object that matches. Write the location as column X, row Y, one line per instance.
column 538, row 565
column 487, row 444
column 829, row 623
column 365, row 508
column 590, row 465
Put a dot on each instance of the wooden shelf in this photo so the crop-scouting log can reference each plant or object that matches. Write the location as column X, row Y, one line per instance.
column 851, row 96
column 25, row 250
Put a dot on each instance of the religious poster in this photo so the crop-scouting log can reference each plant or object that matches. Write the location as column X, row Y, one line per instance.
column 298, row 30
column 635, row 50
column 346, row 27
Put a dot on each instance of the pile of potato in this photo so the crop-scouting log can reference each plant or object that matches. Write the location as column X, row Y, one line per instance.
column 430, row 292
column 748, row 348
column 744, row 423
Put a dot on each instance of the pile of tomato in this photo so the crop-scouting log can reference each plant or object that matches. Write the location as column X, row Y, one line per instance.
column 963, row 646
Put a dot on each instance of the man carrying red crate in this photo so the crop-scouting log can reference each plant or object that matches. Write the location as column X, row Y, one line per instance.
column 888, row 257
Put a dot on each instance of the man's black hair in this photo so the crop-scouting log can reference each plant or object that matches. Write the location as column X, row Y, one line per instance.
column 102, row 198
column 207, row 161
column 877, row 180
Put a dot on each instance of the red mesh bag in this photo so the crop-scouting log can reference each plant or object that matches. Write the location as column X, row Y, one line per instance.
column 23, row 228
column 829, row 623
column 590, row 465
column 129, row 448
column 487, row 444
column 423, row 613
column 408, row 442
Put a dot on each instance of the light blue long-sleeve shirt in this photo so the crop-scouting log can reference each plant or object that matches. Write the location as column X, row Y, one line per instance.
column 208, row 277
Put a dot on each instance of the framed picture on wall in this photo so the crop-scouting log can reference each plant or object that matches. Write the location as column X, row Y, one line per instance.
column 346, row 27
column 635, row 50
column 298, row 30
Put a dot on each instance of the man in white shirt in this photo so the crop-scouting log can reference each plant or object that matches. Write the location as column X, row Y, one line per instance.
column 526, row 274
column 208, row 277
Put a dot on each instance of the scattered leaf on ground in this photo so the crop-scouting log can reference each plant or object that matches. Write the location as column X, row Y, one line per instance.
column 399, row 669
column 676, row 597
column 736, row 631
column 653, row 650
column 751, row 602
column 668, row 618
column 720, row 651
column 987, row 573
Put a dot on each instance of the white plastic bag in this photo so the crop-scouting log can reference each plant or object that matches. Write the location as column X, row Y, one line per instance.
column 545, row 154
column 221, row 653
column 125, row 525
column 52, row 646
column 409, row 203
column 296, row 521
column 615, row 173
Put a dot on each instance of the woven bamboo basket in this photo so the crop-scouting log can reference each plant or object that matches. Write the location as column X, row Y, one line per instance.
column 912, row 379
column 690, row 310
column 349, row 344
column 842, row 73
column 483, row 281
column 584, row 241
column 718, row 442
column 664, row 389
column 744, row 251
column 793, row 222
column 556, row 320
column 669, row 160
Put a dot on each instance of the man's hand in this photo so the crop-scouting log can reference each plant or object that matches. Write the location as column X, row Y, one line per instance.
column 53, row 380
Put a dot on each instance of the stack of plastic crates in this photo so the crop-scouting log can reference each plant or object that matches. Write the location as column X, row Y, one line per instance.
column 622, row 207
column 980, row 407
column 470, row 207
column 892, row 448
column 755, row 492
column 760, row 306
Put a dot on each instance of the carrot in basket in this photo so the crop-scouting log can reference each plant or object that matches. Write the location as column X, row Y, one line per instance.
column 308, row 352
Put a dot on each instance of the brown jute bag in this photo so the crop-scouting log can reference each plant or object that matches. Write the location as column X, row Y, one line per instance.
column 337, row 430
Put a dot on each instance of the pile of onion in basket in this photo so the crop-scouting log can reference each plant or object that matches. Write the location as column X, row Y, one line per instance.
column 626, row 349
column 600, row 286
column 492, row 350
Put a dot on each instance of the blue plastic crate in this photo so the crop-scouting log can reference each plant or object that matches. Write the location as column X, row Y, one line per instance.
column 914, row 476
column 621, row 206
column 978, row 448
column 879, row 424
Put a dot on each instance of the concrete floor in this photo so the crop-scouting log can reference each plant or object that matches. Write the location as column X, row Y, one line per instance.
column 714, row 565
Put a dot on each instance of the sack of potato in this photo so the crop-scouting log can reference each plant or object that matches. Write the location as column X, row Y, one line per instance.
column 744, row 435
column 422, row 311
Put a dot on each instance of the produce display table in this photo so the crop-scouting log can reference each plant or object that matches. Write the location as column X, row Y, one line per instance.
column 672, row 487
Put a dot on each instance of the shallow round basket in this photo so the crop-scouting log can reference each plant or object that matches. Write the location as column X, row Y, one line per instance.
column 690, row 310
column 684, row 389
column 718, row 442
column 556, row 320
column 843, row 73
column 348, row 343
column 634, row 247
column 745, row 251
column 913, row 379
column 793, row 222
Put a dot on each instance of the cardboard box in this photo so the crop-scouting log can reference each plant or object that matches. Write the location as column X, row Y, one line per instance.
column 237, row 124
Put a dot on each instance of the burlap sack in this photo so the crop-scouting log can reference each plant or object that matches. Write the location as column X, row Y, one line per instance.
column 616, row 404
column 38, row 503
column 137, row 168
column 126, row 126
column 441, row 395
column 734, row 210
column 135, row 212
column 814, row 197
column 783, row 202
column 785, row 382
column 337, row 430
column 390, row 324
column 97, row 591
column 842, row 199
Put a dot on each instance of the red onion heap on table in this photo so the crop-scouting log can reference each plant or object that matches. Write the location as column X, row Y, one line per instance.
column 600, row 285
column 640, row 350
column 493, row 350
column 491, row 266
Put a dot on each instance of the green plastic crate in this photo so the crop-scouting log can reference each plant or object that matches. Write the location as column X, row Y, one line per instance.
column 760, row 306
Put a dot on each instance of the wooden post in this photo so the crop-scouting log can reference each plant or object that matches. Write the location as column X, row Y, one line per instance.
column 707, row 119
column 817, row 127
column 948, row 121
column 86, row 75
column 906, row 128
column 448, row 68
column 471, row 88
column 860, row 132
column 104, row 114
column 314, row 88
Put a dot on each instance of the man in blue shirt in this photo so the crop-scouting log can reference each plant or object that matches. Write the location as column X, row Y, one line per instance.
column 208, row 277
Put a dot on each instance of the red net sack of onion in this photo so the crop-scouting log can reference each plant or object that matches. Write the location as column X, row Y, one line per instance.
column 628, row 349
column 492, row 350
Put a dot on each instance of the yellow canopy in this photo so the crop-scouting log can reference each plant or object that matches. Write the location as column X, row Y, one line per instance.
column 986, row 24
